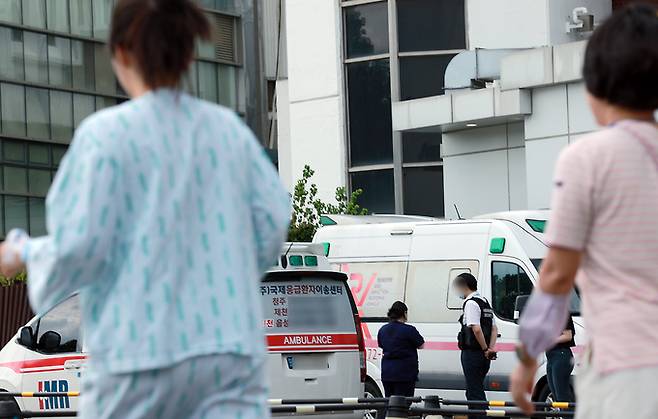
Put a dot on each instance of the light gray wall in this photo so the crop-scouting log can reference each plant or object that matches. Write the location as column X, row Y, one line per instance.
column 484, row 170
column 560, row 115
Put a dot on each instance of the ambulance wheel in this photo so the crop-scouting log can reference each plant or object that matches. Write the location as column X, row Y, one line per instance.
column 372, row 391
column 12, row 402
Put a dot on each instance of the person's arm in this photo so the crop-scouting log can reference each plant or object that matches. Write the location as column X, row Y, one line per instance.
column 82, row 210
column 479, row 336
column 270, row 204
column 494, row 337
column 418, row 339
column 548, row 308
column 568, row 232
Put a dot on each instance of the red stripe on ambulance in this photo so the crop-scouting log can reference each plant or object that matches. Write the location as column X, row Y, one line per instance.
column 40, row 365
column 312, row 341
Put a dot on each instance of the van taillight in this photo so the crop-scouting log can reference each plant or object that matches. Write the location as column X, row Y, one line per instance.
column 362, row 347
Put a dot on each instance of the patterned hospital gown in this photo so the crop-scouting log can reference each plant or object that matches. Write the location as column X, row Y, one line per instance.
column 164, row 214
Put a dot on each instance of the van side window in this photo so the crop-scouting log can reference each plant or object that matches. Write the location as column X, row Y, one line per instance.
column 58, row 331
column 508, row 281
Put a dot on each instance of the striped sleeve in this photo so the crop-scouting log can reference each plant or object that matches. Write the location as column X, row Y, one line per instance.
column 572, row 202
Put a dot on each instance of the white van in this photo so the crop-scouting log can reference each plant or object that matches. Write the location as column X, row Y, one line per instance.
column 316, row 348
column 415, row 260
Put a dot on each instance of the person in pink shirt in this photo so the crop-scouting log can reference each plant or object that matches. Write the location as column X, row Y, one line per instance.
column 603, row 232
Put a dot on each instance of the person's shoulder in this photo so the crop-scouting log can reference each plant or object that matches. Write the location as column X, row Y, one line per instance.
column 223, row 117
column 590, row 146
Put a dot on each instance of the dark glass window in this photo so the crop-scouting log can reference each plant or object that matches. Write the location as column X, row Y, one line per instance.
column 11, row 44
column 12, row 109
column 423, row 76
column 82, row 54
column 36, row 57
column 366, row 29
column 64, row 320
column 16, row 212
column 59, row 61
column 38, row 113
column 378, row 190
column 428, row 25
column 421, row 146
column 423, row 191
column 509, row 281
column 369, row 95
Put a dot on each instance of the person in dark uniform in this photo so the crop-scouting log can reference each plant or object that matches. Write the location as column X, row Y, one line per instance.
column 400, row 343
column 559, row 364
column 477, row 337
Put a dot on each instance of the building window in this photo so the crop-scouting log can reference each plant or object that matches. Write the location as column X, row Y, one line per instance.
column 34, row 13
column 38, row 113
column 27, row 172
column 431, row 25
column 369, row 97
column 83, row 106
column 423, row 76
column 378, row 191
column 36, row 57
column 82, row 63
column 208, row 81
column 11, row 44
column 423, row 190
column 102, row 14
column 12, row 110
column 81, row 17
column 10, row 11
column 61, row 114
column 366, row 29
column 57, row 12
column 421, row 147
column 59, row 61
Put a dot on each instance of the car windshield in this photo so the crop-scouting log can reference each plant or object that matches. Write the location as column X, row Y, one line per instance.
column 574, row 306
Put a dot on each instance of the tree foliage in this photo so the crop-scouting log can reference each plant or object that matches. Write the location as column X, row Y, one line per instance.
column 307, row 208
column 5, row 282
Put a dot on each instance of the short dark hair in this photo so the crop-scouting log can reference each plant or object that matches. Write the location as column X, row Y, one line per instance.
column 621, row 61
column 397, row 311
column 161, row 35
column 467, row 280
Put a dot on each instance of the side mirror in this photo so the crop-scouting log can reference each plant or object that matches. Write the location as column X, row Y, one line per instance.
column 519, row 306
column 26, row 337
column 50, row 341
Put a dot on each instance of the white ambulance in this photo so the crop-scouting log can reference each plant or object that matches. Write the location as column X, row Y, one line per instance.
column 415, row 259
column 316, row 348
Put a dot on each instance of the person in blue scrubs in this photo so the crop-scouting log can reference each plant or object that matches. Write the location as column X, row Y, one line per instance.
column 164, row 214
column 400, row 343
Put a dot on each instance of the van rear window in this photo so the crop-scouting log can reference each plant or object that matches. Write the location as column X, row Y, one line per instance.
column 306, row 305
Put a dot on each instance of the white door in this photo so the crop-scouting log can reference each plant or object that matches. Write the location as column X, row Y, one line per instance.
column 434, row 309
column 54, row 364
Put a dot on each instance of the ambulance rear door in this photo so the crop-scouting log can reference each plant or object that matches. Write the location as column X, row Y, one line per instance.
column 311, row 326
column 54, row 362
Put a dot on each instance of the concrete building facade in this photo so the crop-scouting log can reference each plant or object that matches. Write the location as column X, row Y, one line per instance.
column 433, row 105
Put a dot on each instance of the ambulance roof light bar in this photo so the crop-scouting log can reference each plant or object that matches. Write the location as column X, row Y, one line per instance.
column 329, row 220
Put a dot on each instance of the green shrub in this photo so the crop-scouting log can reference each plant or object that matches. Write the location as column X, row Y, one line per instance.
column 307, row 207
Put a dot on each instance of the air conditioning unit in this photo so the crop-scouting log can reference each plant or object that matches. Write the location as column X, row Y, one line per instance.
column 580, row 21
